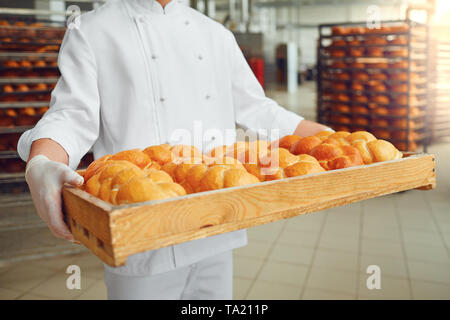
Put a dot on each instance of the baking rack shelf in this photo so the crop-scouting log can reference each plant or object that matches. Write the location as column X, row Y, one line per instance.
column 400, row 43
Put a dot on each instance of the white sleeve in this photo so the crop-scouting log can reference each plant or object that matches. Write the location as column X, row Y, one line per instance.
column 253, row 110
column 73, row 118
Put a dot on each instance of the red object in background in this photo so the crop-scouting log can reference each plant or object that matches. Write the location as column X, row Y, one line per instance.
column 257, row 66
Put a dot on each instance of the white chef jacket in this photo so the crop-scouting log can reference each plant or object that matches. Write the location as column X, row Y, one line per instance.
column 134, row 74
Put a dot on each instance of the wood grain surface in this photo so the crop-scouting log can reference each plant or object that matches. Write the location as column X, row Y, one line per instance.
column 140, row 227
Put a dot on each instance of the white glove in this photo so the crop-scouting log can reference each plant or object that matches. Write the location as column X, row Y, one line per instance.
column 45, row 179
column 329, row 129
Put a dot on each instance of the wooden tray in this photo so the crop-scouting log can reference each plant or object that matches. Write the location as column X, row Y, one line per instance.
column 115, row 232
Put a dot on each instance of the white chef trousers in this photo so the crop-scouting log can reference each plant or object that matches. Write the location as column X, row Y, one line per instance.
column 208, row 279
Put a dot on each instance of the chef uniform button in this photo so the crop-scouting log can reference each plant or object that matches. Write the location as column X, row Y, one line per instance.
column 207, row 97
column 142, row 20
column 186, row 22
column 162, row 99
column 154, row 56
column 200, row 57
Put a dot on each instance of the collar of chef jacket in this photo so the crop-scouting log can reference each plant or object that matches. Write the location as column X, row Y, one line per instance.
column 155, row 7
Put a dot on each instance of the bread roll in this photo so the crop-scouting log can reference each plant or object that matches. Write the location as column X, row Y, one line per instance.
column 338, row 65
column 332, row 156
column 356, row 86
column 161, row 154
column 135, row 156
column 356, row 52
column 305, row 145
column 378, row 76
column 286, row 142
column 280, row 163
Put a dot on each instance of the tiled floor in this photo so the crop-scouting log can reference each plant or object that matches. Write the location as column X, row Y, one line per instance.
column 323, row 255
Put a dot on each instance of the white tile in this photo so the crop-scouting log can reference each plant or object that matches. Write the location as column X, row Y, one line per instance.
column 9, row 294
column 254, row 249
column 244, row 267
column 292, row 254
column 389, row 266
column 268, row 232
column 429, row 271
column 262, row 290
column 336, row 260
column 55, row 287
column 25, row 276
column 299, row 237
column 377, row 247
column 391, row 289
column 333, row 280
column 424, row 290
column 283, row 273
column 241, row 287
column 311, row 222
column 422, row 237
column 349, row 243
column 96, row 291
column 319, row 294
column 344, row 229
column 382, row 232
column 432, row 253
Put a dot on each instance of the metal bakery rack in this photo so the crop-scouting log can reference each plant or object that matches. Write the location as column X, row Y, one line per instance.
column 440, row 83
column 28, row 72
column 375, row 80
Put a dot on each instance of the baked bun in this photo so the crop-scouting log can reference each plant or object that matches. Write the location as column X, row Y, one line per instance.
column 359, row 109
column 401, row 135
column 337, row 53
column 402, row 64
column 356, row 52
column 362, row 121
column 202, row 177
column 378, row 76
column 403, row 123
column 338, row 65
column 412, row 146
column 380, row 99
column 382, row 134
column 338, row 43
column 134, row 156
column 332, row 157
column 399, row 76
column 360, row 76
column 323, row 135
column 341, row 97
column 340, row 30
column 360, row 98
column 286, row 142
column 377, row 86
column 399, row 41
column 280, row 163
column 341, row 108
column 399, row 87
column 143, row 189
column 375, row 40
column 357, row 65
column 305, row 145
column 342, row 76
column 375, row 52
column 356, row 86
column 382, row 111
column 380, row 122
column 339, row 86
column 403, row 52
column 161, row 154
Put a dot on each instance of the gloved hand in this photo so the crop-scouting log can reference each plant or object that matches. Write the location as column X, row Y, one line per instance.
column 45, row 179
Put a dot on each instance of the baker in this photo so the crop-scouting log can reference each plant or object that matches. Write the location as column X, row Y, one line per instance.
column 133, row 73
